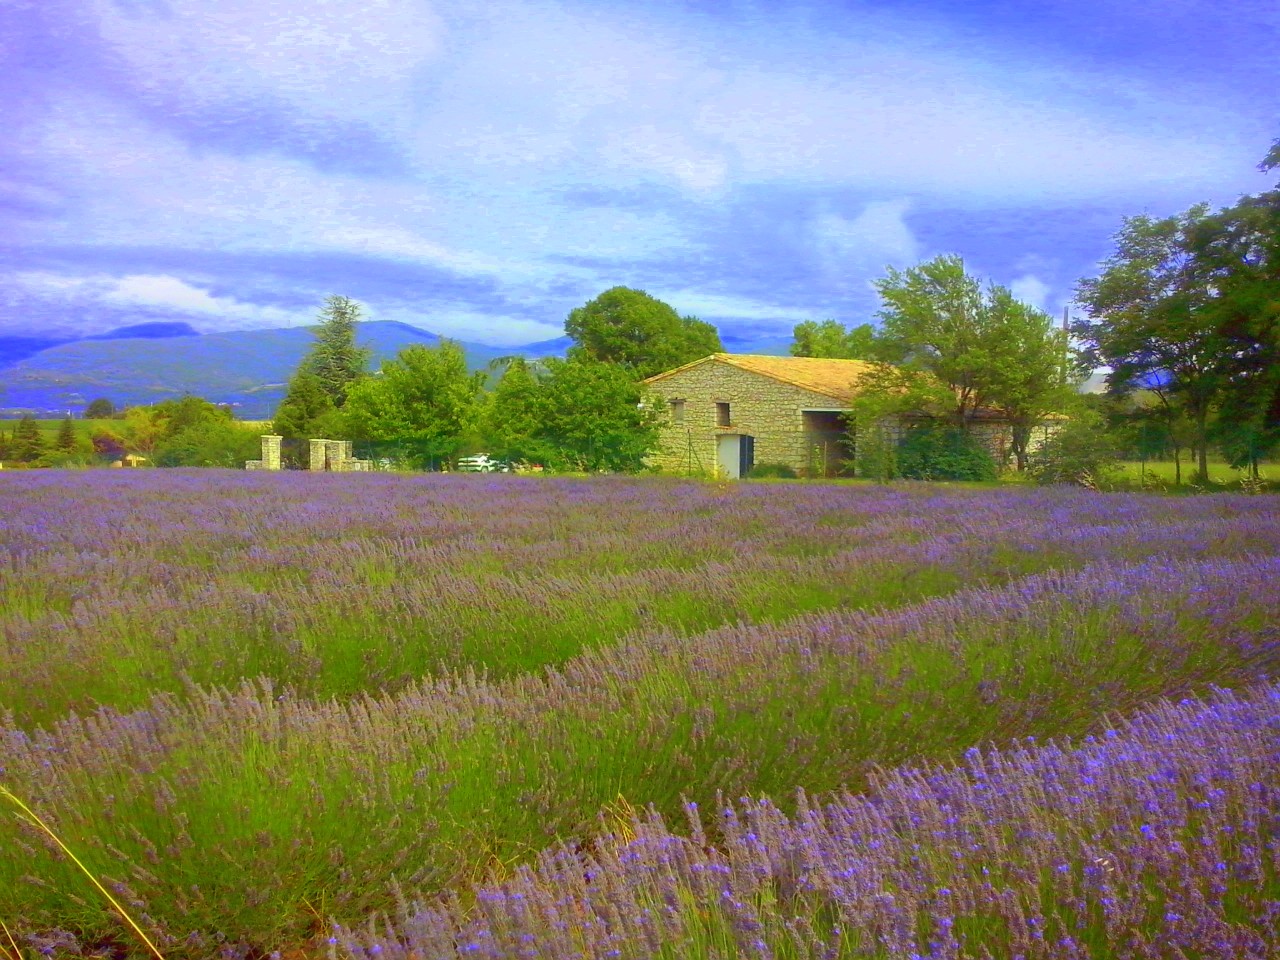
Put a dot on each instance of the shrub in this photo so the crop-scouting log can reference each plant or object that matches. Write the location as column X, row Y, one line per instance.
column 1081, row 452
column 943, row 453
column 767, row 470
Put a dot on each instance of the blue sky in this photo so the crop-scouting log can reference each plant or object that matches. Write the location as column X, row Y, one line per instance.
column 480, row 169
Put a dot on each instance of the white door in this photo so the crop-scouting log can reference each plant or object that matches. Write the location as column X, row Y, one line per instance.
column 727, row 455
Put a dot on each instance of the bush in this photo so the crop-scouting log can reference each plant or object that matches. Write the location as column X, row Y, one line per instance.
column 1081, row 452
column 943, row 453
column 776, row 470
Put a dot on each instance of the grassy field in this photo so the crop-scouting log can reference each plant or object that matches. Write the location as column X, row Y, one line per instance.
column 530, row 716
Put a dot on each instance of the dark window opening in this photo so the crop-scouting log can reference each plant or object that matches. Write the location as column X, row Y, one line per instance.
column 722, row 415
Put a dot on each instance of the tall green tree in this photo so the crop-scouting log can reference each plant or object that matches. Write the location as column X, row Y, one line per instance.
column 1154, row 322
column 1236, row 252
column 593, row 416
column 28, row 445
column 830, row 338
column 307, row 410
column 514, row 415
column 334, row 358
column 985, row 347
column 639, row 332
column 66, row 439
column 425, row 399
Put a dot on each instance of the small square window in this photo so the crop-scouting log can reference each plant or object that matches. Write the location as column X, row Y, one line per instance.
column 677, row 411
column 722, row 415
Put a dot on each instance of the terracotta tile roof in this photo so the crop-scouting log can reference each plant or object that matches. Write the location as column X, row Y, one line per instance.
column 832, row 378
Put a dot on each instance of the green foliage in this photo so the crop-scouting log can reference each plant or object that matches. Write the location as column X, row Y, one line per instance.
column 511, row 420
column 209, row 443
column 28, row 445
column 305, row 405
column 1079, row 452
column 780, row 471
column 630, row 328
column 938, row 452
column 100, row 409
column 592, row 416
column 830, row 339
column 1152, row 320
column 66, row 439
column 334, row 358
column 989, row 349
column 425, row 399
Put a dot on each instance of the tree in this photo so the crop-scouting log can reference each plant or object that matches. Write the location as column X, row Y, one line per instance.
column 209, row 443
column 1153, row 321
column 100, row 409
column 1236, row 252
column 634, row 330
column 144, row 428
column 593, row 416
column 830, row 339
column 66, row 439
column 305, row 409
column 989, row 350
column 513, row 415
column 334, row 358
column 425, row 398
column 28, row 445
column 1030, row 374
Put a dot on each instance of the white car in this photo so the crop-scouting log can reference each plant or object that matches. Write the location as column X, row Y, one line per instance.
column 481, row 463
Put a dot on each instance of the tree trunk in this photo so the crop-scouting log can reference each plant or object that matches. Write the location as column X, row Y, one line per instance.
column 1202, row 445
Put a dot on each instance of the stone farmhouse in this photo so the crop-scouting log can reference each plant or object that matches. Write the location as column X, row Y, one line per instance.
column 727, row 412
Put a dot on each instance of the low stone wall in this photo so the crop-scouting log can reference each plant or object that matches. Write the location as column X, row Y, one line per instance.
column 334, row 456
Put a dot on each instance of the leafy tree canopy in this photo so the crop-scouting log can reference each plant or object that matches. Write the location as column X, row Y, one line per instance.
column 831, row 339
column 987, row 348
column 1156, row 318
column 425, row 398
column 572, row 414
column 306, row 405
column 634, row 330
column 100, row 409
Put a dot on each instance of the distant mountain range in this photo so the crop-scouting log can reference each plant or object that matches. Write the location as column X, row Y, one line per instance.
column 248, row 369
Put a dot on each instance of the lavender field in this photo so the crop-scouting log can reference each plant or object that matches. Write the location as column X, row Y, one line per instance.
column 549, row 717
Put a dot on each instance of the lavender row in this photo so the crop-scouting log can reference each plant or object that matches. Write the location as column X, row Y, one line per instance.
column 240, row 817
column 117, row 587
column 1154, row 839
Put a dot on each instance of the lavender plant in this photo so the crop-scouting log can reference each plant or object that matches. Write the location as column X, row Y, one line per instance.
column 251, row 704
column 1155, row 839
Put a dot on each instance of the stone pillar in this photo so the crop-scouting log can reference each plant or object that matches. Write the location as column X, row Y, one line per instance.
column 271, row 452
column 333, row 454
column 317, row 454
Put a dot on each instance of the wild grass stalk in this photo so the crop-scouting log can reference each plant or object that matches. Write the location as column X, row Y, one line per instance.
column 30, row 816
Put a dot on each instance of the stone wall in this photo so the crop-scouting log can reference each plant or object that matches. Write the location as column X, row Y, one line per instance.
column 331, row 455
column 270, row 454
column 759, row 406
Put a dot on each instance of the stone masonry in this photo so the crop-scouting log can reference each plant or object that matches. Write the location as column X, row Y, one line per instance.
column 767, row 409
column 270, row 454
column 331, row 455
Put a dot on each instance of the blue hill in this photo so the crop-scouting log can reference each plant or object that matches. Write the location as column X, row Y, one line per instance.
column 247, row 368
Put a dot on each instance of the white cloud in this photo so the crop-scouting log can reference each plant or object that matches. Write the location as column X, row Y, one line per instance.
column 216, row 313
column 706, row 305
column 876, row 237
column 1031, row 289
column 328, row 56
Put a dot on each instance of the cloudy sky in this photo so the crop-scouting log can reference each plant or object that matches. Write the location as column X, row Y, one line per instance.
column 480, row 168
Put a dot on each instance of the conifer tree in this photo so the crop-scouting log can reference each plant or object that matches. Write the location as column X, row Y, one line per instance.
column 66, row 440
column 28, row 445
column 334, row 358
